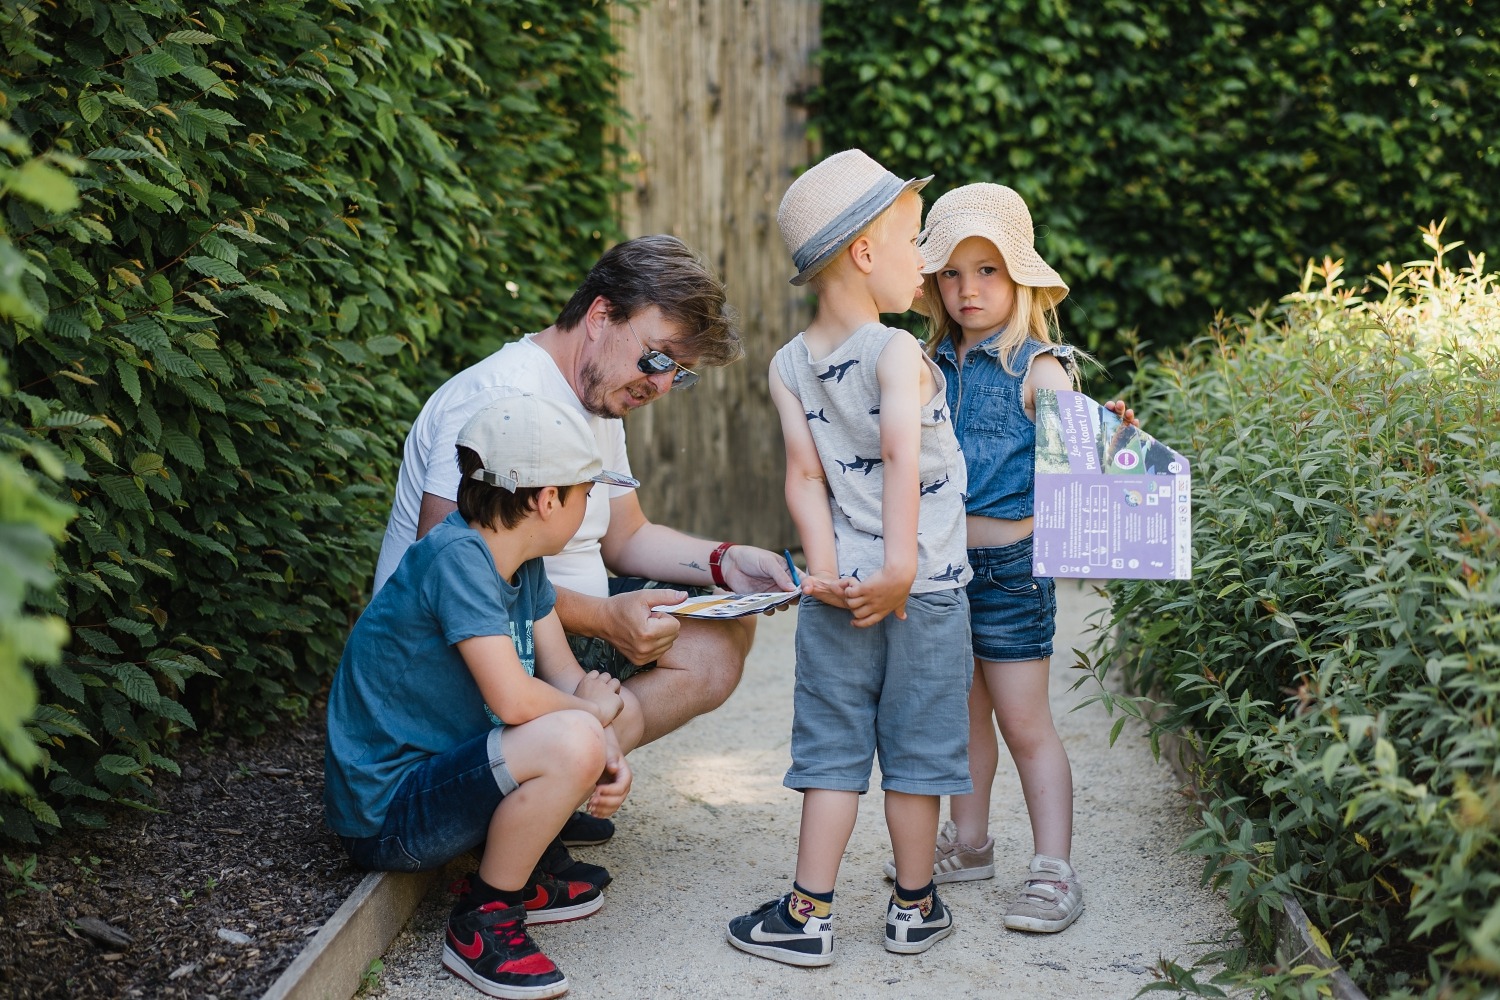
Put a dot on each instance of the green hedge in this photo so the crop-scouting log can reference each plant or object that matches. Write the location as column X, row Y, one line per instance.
column 1184, row 156
column 30, row 525
column 293, row 219
column 31, row 522
column 1336, row 656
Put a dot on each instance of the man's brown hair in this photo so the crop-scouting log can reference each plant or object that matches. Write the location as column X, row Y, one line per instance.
column 662, row 271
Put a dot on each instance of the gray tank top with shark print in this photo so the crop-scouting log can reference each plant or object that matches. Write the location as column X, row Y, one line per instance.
column 840, row 394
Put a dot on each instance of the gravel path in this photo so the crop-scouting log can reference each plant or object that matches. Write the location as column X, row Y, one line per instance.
column 709, row 832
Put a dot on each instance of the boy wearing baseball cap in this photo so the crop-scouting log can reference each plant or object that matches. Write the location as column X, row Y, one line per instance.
column 458, row 716
column 875, row 485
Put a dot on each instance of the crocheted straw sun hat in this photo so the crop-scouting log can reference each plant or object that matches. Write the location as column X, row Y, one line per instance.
column 998, row 214
column 827, row 208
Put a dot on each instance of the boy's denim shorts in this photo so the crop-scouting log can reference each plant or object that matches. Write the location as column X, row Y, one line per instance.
column 442, row 809
column 899, row 688
column 1013, row 614
column 593, row 653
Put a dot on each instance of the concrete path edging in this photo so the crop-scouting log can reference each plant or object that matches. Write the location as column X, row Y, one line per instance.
column 333, row 964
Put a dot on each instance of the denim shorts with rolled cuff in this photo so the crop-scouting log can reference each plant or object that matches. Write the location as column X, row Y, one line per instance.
column 898, row 688
column 1012, row 613
column 593, row 653
column 442, row 809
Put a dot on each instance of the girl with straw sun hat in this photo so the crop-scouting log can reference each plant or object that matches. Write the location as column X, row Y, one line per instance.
column 992, row 305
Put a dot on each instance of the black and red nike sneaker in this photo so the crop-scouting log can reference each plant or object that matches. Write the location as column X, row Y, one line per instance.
column 489, row 947
column 553, row 900
column 550, row 900
column 558, row 862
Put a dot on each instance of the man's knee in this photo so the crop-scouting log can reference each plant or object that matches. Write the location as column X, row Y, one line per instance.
column 712, row 658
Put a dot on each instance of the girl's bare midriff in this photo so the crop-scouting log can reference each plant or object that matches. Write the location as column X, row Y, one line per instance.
column 991, row 532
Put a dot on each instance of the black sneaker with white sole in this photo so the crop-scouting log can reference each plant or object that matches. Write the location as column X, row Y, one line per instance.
column 489, row 948
column 583, row 830
column 554, row 901
column 557, row 862
column 766, row 932
column 911, row 930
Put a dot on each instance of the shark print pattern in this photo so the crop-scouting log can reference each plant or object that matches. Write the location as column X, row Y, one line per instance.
column 842, row 407
column 837, row 372
column 951, row 573
column 865, row 465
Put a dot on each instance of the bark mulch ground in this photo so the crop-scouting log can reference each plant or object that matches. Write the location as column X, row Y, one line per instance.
column 211, row 898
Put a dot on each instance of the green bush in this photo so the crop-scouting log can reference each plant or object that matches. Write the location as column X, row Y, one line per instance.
column 1336, row 656
column 294, row 218
column 30, row 525
column 1185, row 154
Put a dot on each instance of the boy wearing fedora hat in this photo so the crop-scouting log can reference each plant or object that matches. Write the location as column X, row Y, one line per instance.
column 875, row 486
column 459, row 718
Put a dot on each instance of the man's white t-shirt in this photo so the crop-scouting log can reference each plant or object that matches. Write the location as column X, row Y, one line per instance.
column 429, row 463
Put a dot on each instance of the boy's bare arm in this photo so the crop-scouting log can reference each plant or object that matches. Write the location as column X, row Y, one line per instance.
column 807, row 497
column 556, row 665
column 899, row 371
column 516, row 696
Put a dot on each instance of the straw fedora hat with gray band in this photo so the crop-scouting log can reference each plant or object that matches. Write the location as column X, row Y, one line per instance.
column 827, row 208
column 996, row 213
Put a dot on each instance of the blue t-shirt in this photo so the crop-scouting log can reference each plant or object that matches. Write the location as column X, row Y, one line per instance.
column 402, row 692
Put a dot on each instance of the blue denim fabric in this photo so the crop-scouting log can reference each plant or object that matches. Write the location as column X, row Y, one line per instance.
column 898, row 687
column 998, row 439
column 1013, row 614
column 442, row 809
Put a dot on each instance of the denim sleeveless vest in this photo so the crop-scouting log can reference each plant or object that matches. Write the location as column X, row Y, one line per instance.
column 997, row 437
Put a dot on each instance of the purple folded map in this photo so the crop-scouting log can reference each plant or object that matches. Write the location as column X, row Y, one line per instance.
column 1112, row 502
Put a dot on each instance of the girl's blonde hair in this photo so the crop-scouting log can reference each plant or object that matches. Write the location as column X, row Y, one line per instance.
column 1031, row 317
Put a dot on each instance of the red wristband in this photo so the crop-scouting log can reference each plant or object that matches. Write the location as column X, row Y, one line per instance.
column 716, row 564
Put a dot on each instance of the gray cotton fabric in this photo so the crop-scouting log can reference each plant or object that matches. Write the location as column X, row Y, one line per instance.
column 840, row 395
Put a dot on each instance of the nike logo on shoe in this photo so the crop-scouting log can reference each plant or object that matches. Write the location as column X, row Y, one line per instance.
column 813, row 928
column 470, row 951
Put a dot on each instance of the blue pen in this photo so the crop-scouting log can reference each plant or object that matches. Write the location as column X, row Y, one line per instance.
column 791, row 566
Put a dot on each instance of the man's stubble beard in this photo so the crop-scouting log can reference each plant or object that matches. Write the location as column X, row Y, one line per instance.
column 591, row 392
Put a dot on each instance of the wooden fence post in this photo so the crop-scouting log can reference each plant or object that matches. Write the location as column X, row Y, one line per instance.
column 715, row 88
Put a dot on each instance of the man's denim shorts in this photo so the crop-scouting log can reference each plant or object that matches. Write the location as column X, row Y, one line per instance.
column 442, row 809
column 1014, row 614
column 593, row 653
column 899, row 688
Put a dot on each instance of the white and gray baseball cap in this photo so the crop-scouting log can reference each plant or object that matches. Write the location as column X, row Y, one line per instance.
column 529, row 440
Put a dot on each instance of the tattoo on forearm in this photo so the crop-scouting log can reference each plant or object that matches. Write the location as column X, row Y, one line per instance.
column 693, row 565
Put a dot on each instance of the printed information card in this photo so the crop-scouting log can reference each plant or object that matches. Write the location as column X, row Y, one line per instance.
column 1112, row 502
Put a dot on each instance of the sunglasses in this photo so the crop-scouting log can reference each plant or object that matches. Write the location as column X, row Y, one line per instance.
column 656, row 363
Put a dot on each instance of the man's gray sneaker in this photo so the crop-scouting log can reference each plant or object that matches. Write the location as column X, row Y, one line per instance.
column 956, row 862
column 909, row 931
column 1049, row 901
column 767, row 932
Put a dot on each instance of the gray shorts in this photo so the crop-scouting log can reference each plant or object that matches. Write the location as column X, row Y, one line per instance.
column 593, row 653
column 899, row 688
